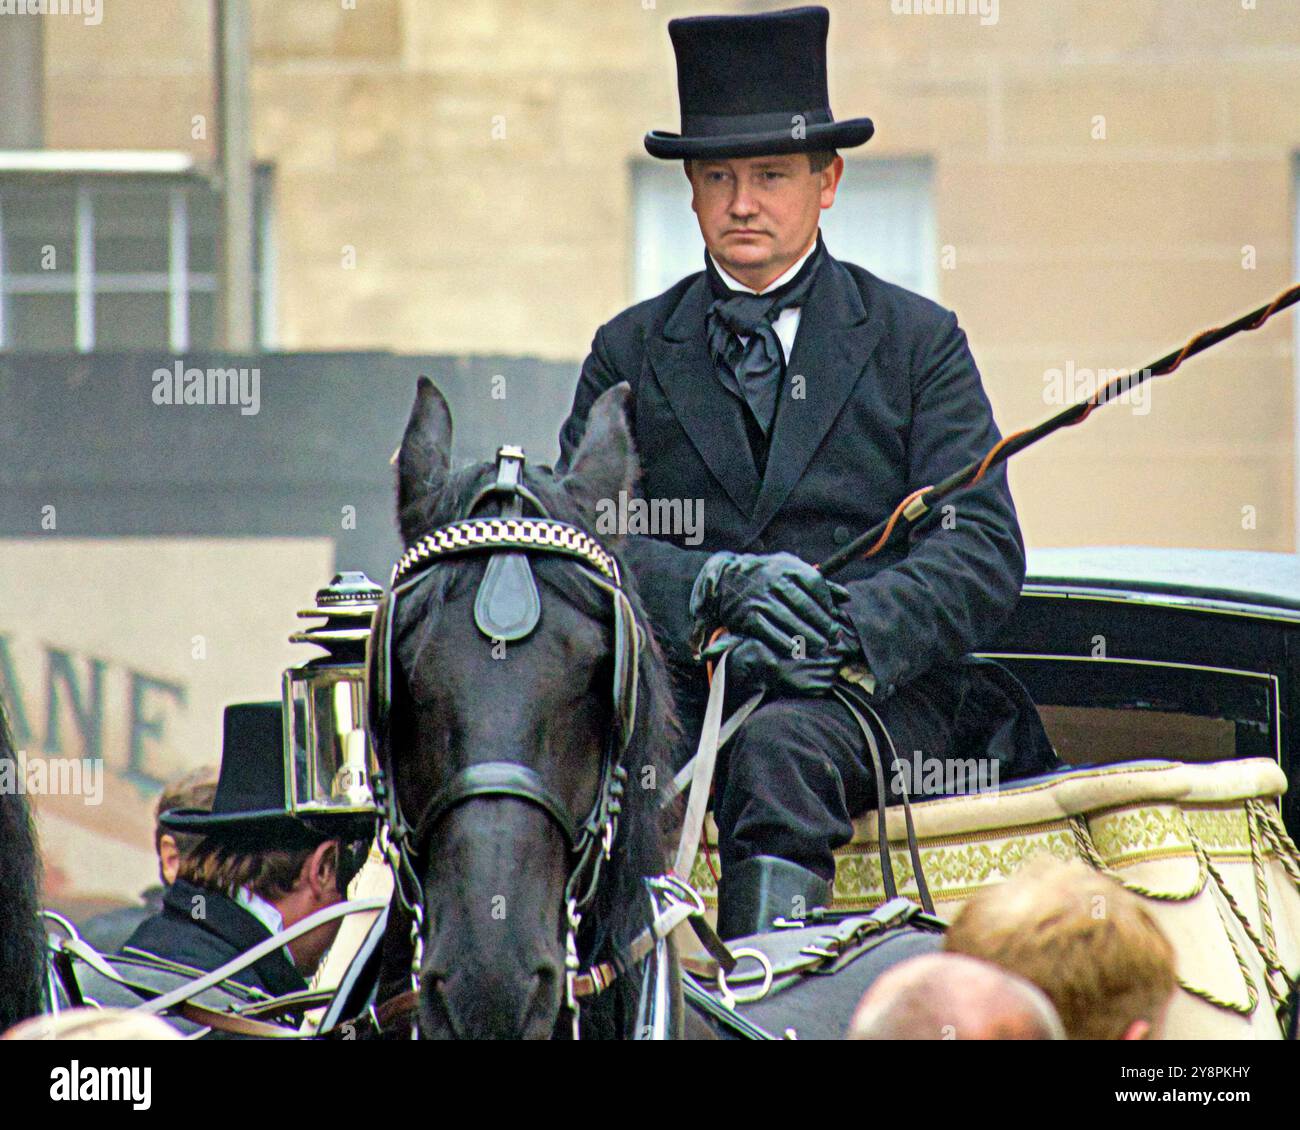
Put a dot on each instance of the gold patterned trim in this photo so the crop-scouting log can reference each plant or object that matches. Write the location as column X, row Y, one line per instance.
column 954, row 869
column 959, row 865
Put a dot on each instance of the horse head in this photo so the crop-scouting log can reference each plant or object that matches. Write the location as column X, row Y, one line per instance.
column 499, row 749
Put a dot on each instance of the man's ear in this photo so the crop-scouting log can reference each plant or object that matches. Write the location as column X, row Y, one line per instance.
column 321, row 871
column 424, row 458
column 169, row 858
column 605, row 462
column 686, row 168
column 830, row 181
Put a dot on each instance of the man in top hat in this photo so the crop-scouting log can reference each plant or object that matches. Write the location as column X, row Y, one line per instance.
column 257, row 869
column 800, row 398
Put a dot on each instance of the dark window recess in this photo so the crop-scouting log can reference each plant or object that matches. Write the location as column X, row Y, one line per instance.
column 1098, row 712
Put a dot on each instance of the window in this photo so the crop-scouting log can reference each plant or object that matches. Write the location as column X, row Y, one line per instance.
column 883, row 220
column 93, row 260
column 1100, row 710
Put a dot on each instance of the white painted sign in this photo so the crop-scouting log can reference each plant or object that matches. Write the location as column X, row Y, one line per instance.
column 117, row 657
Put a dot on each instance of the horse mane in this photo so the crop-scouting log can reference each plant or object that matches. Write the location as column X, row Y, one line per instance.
column 620, row 909
column 22, row 940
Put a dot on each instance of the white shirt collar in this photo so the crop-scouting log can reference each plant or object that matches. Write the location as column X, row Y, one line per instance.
column 734, row 284
column 260, row 909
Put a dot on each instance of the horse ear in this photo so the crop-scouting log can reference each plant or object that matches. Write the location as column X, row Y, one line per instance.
column 605, row 462
column 424, row 458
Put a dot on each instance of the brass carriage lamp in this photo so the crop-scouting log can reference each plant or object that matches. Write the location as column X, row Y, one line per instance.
column 332, row 764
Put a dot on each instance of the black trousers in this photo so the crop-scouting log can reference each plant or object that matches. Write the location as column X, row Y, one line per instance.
column 796, row 774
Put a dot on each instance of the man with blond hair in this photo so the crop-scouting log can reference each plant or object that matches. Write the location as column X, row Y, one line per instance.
column 108, row 931
column 1083, row 939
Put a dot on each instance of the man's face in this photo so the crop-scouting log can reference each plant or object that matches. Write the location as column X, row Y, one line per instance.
column 759, row 214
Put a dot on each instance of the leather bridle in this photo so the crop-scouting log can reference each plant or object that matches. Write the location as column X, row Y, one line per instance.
column 507, row 607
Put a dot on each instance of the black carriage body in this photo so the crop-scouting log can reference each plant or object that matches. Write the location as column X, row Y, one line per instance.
column 1190, row 655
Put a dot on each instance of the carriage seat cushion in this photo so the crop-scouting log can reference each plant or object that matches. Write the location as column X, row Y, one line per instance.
column 1078, row 791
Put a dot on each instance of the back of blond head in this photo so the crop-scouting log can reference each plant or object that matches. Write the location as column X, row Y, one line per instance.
column 1078, row 935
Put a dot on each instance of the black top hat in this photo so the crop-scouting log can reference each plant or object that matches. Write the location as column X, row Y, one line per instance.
column 754, row 85
column 250, row 802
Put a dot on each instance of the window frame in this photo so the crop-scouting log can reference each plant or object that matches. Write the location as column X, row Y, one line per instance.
column 1269, row 678
column 173, row 174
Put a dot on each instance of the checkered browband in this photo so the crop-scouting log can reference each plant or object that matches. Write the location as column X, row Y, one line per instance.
column 543, row 534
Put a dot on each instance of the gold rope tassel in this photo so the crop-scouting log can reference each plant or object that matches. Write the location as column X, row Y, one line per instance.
column 1088, row 849
column 1271, row 966
column 1267, row 823
column 1258, row 861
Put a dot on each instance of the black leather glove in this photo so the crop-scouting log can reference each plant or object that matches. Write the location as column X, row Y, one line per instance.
column 752, row 664
column 770, row 599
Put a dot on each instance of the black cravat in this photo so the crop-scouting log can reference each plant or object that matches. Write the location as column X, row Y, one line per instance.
column 752, row 369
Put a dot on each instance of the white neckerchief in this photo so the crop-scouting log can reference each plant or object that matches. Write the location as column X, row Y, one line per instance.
column 786, row 324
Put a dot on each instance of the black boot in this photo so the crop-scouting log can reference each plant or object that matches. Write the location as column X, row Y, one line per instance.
column 757, row 891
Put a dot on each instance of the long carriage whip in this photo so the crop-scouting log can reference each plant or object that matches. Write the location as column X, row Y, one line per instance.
column 912, row 508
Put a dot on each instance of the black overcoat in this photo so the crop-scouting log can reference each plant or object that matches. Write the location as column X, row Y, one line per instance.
column 881, row 396
column 222, row 932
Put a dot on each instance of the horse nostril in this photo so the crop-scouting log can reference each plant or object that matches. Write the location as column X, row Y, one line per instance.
column 548, row 984
column 547, row 976
column 435, row 1009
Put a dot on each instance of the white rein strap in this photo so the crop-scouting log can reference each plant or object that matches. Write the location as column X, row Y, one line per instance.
column 699, row 770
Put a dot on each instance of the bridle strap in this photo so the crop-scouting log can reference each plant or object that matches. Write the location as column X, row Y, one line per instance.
column 496, row 779
column 531, row 535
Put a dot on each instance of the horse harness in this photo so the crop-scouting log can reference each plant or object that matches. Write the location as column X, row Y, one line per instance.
column 507, row 607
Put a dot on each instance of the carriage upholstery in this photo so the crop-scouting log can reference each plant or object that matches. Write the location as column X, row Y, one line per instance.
column 1201, row 843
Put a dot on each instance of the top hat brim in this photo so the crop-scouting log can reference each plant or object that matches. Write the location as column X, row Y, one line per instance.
column 830, row 135
column 272, row 827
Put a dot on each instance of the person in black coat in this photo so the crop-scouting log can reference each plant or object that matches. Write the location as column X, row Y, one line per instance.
column 202, row 929
column 797, row 399
column 256, row 870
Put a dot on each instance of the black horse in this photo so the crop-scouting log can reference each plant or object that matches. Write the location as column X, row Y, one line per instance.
column 22, row 938
column 493, row 870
